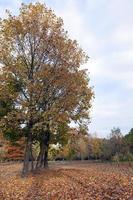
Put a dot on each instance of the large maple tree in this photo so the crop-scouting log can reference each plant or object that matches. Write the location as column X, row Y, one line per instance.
column 41, row 74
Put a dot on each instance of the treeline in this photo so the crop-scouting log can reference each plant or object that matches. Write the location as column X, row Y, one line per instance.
column 76, row 144
column 86, row 147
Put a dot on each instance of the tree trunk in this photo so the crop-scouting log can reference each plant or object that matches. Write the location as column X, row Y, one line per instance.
column 45, row 163
column 26, row 163
column 46, row 143
column 28, row 153
column 31, row 158
column 40, row 158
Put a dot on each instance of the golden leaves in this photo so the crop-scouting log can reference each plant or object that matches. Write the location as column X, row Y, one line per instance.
column 41, row 56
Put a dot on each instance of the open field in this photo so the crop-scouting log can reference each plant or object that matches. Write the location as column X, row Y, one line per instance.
column 71, row 181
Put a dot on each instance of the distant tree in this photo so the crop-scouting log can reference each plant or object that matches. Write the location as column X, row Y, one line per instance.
column 116, row 141
column 96, row 145
column 106, row 150
column 129, row 140
column 114, row 147
column 83, row 148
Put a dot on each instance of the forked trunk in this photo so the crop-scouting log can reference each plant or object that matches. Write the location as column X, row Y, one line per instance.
column 42, row 160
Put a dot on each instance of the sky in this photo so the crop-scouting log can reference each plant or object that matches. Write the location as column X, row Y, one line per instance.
column 104, row 29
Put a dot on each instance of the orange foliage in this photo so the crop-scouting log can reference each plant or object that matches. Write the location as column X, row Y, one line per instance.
column 15, row 151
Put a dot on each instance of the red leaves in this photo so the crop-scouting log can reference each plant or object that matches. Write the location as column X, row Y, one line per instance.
column 15, row 151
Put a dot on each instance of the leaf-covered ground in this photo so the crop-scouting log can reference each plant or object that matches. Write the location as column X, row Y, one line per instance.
column 68, row 182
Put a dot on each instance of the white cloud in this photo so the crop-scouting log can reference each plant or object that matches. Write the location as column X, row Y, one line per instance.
column 123, row 36
column 75, row 23
column 116, row 66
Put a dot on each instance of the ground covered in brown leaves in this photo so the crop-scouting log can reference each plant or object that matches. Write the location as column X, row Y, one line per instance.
column 77, row 181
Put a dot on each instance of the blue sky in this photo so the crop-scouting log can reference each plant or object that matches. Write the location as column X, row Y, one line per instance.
column 104, row 29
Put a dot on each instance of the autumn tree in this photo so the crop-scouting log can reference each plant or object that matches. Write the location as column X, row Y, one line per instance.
column 96, row 146
column 37, row 55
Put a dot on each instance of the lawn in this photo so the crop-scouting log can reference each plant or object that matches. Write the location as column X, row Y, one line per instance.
column 69, row 181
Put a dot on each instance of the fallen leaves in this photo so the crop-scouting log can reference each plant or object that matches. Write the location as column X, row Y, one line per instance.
column 70, row 182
